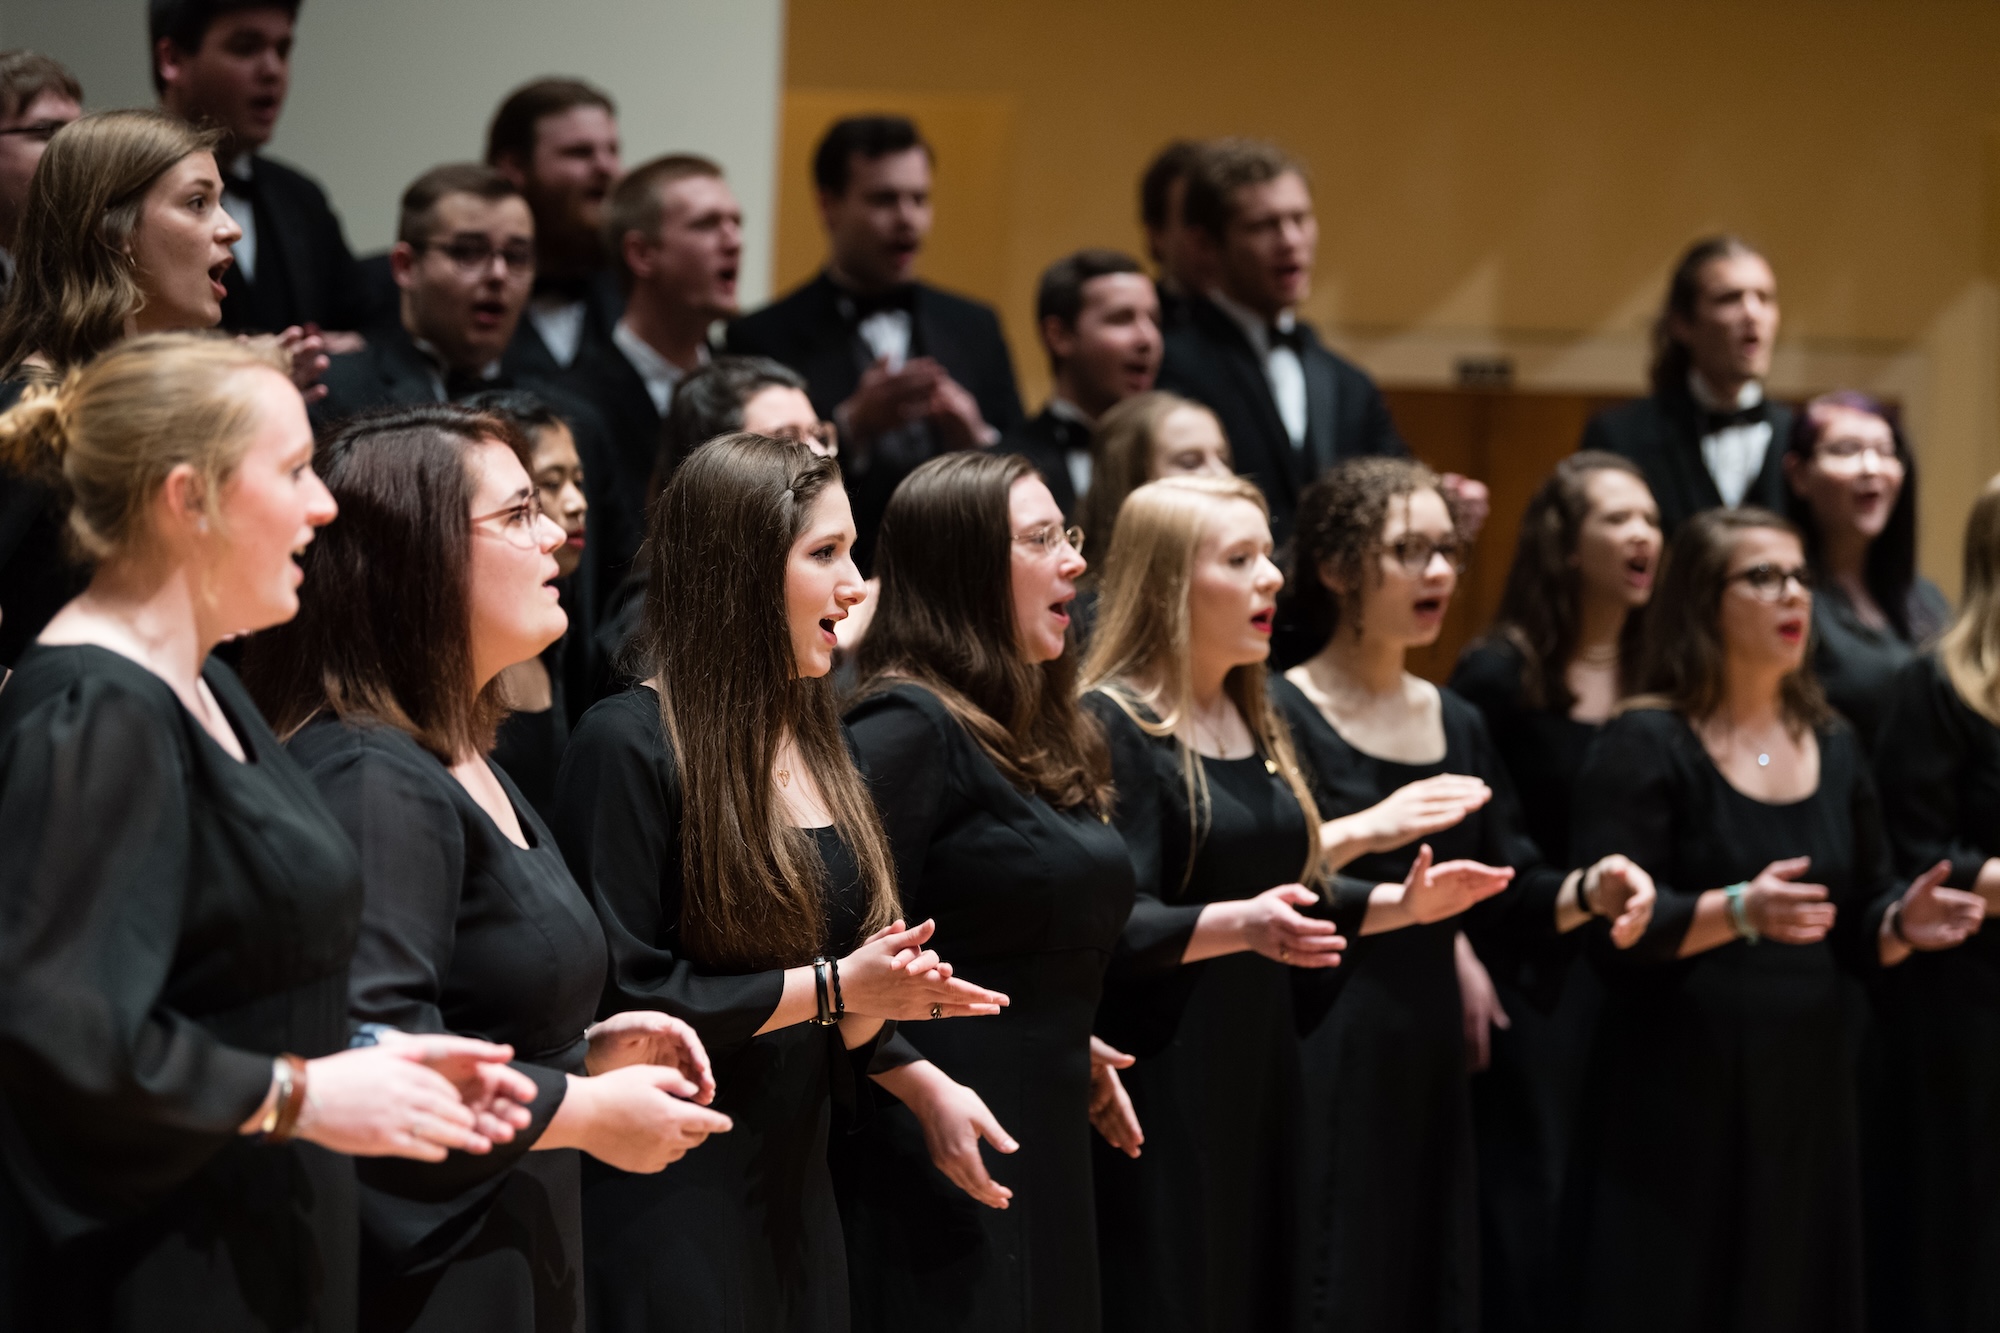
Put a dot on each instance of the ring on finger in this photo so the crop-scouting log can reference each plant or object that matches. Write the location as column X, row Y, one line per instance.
column 937, row 1011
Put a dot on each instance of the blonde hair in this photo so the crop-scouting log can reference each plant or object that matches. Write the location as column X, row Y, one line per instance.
column 74, row 284
column 1121, row 461
column 1141, row 650
column 106, row 435
column 1970, row 649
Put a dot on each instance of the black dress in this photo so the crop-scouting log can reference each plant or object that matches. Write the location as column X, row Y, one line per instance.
column 1719, row 1182
column 1855, row 662
column 742, row 1235
column 1195, row 1233
column 173, row 919
column 1388, row 1179
column 1524, row 1104
column 1933, row 1092
column 1029, row 901
column 464, row 931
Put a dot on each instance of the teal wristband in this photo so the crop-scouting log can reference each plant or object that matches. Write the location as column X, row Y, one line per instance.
column 1738, row 917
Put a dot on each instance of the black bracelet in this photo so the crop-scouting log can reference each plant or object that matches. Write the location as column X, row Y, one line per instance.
column 1896, row 924
column 839, row 1000
column 1583, row 893
column 820, row 991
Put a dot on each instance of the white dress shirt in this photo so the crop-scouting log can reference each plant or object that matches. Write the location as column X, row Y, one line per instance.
column 243, row 213
column 1077, row 461
column 1734, row 454
column 887, row 333
column 560, row 323
column 662, row 376
column 1283, row 370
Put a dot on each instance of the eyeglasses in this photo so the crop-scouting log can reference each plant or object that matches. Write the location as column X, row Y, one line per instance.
column 520, row 523
column 823, row 439
column 1415, row 554
column 1047, row 539
column 1767, row 583
column 473, row 255
column 1846, row 455
column 41, row 130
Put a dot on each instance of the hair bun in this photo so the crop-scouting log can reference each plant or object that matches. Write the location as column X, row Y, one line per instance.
column 35, row 432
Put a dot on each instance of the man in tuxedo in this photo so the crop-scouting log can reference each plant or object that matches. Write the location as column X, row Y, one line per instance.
column 37, row 98
column 463, row 261
column 904, row 369
column 227, row 64
column 675, row 234
column 557, row 140
column 1100, row 324
column 1708, row 435
column 1177, row 262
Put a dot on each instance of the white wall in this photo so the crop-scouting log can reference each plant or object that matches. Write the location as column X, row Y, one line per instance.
column 383, row 89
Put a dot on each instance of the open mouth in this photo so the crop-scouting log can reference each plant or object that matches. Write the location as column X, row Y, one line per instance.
column 1639, row 570
column 1429, row 606
column 1261, row 622
column 215, row 276
column 1060, row 612
column 489, row 314
column 827, row 630
column 1792, row 629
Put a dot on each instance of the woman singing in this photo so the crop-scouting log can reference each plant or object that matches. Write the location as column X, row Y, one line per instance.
column 729, row 846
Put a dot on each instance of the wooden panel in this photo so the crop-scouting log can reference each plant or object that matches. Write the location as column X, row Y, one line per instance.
column 1509, row 440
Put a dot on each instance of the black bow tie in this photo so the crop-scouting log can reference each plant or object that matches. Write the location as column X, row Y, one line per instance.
column 1712, row 421
column 1293, row 337
column 246, row 186
column 563, row 286
column 859, row 305
column 464, row 383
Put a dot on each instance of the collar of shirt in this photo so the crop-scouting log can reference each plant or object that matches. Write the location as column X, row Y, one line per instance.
column 662, row 376
column 1255, row 327
column 1748, row 396
column 438, row 369
column 236, row 179
column 1068, row 411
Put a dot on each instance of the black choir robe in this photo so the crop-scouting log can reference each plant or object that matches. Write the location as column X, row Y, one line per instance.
column 1047, row 440
column 1210, row 359
column 305, row 272
column 1662, row 434
column 813, row 329
column 620, row 486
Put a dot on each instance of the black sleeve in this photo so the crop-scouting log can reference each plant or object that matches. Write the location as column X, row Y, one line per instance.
column 111, row 1099
column 1156, row 935
column 1628, row 800
column 1920, row 758
column 617, row 820
column 1378, row 432
column 412, row 848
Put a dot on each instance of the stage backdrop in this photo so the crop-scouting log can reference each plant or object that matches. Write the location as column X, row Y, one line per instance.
column 1495, row 179
column 383, row 89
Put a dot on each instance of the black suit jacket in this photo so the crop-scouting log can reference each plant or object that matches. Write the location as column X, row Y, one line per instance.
column 620, row 484
column 1047, row 440
column 603, row 307
column 813, row 331
column 1211, row 360
column 305, row 272
column 1662, row 434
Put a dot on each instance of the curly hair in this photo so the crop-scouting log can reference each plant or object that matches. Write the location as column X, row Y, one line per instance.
column 1339, row 527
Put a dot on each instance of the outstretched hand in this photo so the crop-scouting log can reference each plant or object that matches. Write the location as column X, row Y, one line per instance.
column 1619, row 888
column 1435, row 892
column 1110, row 1105
column 648, row 1037
column 1781, row 909
column 1931, row 917
column 892, row 975
column 1274, row 927
column 954, row 1119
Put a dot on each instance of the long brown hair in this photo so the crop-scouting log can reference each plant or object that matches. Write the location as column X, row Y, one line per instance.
column 74, row 285
column 1685, row 655
column 717, row 639
column 1671, row 358
column 946, row 622
column 384, row 630
column 1140, row 655
column 1542, row 602
column 1970, row 649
